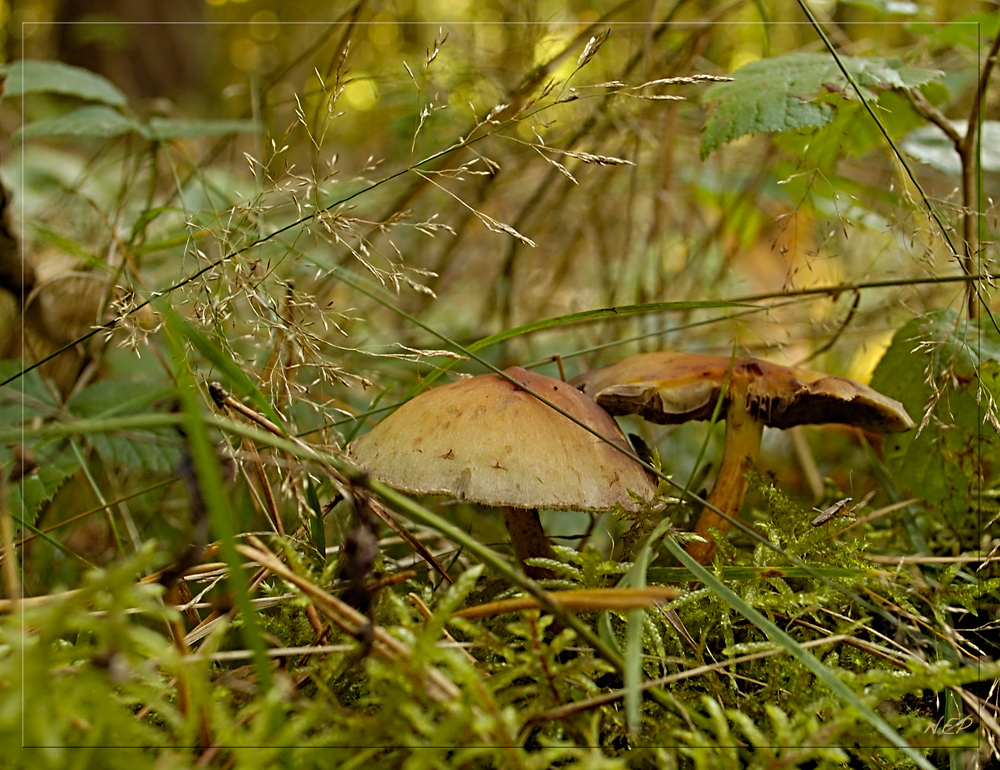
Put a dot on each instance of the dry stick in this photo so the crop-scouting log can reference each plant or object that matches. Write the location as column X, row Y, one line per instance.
column 183, row 687
column 978, row 707
column 223, row 400
column 215, row 617
column 179, row 595
column 905, row 658
column 270, row 504
column 954, row 640
column 352, row 622
column 568, row 710
column 317, row 625
column 320, row 630
column 965, row 148
column 589, row 599
column 406, row 536
column 40, row 601
column 966, row 151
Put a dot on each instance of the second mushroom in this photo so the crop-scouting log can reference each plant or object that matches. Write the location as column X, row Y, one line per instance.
column 670, row 388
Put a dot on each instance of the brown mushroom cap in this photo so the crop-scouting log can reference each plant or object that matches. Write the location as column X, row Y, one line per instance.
column 669, row 388
column 486, row 440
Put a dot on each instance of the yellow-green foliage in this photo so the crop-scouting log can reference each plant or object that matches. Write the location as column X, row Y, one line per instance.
column 375, row 205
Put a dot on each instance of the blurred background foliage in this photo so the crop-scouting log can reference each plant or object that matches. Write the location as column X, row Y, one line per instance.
column 334, row 100
column 280, row 168
column 342, row 97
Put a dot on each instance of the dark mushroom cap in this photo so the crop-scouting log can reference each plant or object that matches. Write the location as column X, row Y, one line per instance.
column 670, row 388
column 486, row 440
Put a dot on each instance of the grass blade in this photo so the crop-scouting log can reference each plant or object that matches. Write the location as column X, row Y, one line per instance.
column 806, row 658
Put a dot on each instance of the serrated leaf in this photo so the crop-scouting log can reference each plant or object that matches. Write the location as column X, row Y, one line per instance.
column 944, row 371
column 24, row 398
column 93, row 121
column 156, row 450
column 794, row 92
column 111, row 397
column 27, row 77
column 55, row 465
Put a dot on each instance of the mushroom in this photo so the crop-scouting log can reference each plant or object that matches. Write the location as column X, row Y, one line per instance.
column 669, row 388
column 486, row 440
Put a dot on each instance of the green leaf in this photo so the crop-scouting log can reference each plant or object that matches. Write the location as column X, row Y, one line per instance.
column 164, row 129
column 28, row 77
column 25, row 397
column 70, row 245
column 316, row 529
column 945, row 371
column 148, row 216
column 94, row 121
column 796, row 91
column 155, row 449
column 55, row 465
column 102, row 122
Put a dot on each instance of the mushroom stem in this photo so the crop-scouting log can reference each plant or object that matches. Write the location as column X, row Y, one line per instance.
column 739, row 455
column 528, row 539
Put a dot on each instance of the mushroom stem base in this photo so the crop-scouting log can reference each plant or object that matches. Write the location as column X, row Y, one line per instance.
column 528, row 539
column 743, row 435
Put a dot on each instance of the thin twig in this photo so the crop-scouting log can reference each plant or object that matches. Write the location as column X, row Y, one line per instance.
column 349, row 619
column 569, row 709
column 971, row 214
